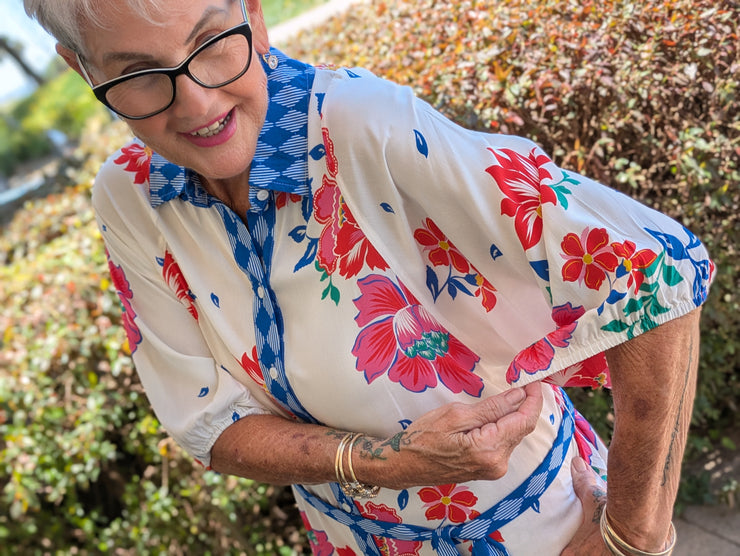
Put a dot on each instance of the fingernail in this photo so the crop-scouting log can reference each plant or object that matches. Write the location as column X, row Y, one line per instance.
column 514, row 395
column 579, row 465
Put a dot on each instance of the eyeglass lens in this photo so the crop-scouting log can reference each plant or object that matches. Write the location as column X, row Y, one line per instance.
column 214, row 66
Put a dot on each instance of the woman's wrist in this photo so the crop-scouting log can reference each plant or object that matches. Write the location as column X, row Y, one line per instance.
column 376, row 461
column 345, row 470
column 618, row 545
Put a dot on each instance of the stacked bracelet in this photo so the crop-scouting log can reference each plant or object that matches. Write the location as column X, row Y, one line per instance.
column 619, row 547
column 352, row 487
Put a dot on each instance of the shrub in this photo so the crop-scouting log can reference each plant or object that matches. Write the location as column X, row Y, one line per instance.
column 65, row 103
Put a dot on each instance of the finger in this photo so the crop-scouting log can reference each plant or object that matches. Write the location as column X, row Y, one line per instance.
column 589, row 488
column 532, row 405
column 523, row 421
column 494, row 408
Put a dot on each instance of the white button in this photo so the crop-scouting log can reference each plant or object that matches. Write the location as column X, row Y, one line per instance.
column 273, row 373
column 263, row 194
column 260, row 292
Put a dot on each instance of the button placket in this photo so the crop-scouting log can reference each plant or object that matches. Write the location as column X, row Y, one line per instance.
column 253, row 254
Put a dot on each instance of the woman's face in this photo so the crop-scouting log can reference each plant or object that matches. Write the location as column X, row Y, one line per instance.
column 129, row 43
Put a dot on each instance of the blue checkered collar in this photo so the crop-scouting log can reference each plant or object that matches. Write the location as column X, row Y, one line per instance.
column 281, row 159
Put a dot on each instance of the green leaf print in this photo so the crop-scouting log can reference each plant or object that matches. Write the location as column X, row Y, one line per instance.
column 671, row 275
column 615, row 326
column 331, row 291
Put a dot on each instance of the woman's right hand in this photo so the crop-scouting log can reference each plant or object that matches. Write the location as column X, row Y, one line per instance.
column 453, row 443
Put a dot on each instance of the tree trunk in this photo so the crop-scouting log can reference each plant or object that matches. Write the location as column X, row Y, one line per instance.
column 5, row 46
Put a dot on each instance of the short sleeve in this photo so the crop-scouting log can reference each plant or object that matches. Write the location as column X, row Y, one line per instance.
column 573, row 266
column 194, row 398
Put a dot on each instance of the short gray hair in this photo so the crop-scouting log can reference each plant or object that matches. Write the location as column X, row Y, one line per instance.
column 63, row 19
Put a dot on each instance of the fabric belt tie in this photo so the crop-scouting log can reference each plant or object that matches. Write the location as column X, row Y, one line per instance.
column 445, row 538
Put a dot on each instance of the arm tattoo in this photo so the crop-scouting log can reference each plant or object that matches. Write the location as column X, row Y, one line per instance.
column 373, row 448
column 676, row 425
column 600, row 499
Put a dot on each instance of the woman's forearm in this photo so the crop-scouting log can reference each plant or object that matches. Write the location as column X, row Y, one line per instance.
column 274, row 450
column 654, row 381
column 453, row 443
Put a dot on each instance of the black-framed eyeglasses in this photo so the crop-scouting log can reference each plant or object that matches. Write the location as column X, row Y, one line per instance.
column 216, row 63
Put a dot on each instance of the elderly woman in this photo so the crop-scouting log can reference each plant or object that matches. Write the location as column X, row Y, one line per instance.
column 327, row 284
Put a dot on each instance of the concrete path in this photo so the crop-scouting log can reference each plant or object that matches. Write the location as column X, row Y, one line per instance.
column 708, row 531
column 701, row 530
column 315, row 16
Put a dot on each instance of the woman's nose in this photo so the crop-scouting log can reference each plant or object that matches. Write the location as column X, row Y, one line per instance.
column 190, row 98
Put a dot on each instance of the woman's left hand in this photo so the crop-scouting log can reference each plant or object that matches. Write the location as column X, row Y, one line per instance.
column 591, row 491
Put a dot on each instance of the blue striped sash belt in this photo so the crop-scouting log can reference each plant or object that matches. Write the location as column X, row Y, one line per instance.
column 477, row 530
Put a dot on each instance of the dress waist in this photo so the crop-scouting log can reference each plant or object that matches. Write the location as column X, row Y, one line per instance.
column 477, row 530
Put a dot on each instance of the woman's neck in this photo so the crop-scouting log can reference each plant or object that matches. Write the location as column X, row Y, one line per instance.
column 233, row 192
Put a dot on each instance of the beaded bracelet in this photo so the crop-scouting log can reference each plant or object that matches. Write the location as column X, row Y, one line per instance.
column 353, row 487
column 619, row 547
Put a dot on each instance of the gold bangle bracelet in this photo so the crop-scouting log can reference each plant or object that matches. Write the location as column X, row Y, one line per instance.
column 338, row 470
column 353, row 487
column 349, row 458
column 620, row 547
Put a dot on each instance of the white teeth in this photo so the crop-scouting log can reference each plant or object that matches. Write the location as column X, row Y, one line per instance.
column 214, row 129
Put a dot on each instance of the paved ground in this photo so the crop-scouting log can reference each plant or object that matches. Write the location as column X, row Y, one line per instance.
column 701, row 530
column 708, row 531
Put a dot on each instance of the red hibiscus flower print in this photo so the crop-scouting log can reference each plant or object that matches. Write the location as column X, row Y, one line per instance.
column 442, row 253
column 319, row 540
column 538, row 357
column 588, row 257
column 634, row 261
column 250, row 364
column 332, row 164
column 520, row 179
column 400, row 338
column 486, row 292
column 452, row 502
column 388, row 546
column 174, row 277
column 341, row 244
column 590, row 373
column 329, row 211
column 440, row 249
column 252, row 367
column 136, row 157
column 128, row 315
column 282, row 198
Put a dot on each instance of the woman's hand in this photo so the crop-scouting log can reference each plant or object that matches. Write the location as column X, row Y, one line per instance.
column 591, row 491
column 454, row 443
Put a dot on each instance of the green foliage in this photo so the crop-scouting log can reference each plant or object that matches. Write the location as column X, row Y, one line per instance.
column 637, row 94
column 15, row 145
column 276, row 11
column 65, row 103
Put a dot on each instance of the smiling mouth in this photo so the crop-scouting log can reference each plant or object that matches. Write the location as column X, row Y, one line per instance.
column 214, row 129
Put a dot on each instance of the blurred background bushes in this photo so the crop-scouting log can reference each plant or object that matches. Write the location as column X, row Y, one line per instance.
column 64, row 104
column 641, row 95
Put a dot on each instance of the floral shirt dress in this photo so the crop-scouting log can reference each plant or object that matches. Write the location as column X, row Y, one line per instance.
column 391, row 262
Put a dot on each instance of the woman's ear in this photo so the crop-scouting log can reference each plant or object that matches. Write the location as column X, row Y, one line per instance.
column 259, row 27
column 70, row 57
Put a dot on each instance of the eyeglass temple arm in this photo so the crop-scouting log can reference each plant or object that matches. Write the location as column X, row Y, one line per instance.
column 85, row 75
column 244, row 11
